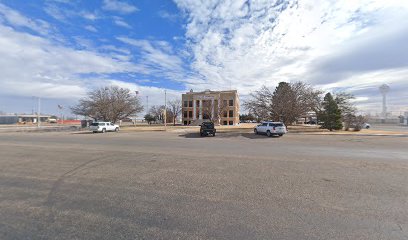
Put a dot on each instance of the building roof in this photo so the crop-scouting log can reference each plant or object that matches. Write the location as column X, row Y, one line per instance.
column 209, row 92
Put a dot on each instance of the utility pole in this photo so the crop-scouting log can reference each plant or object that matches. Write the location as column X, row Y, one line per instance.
column 38, row 112
column 147, row 104
column 165, row 110
column 61, row 113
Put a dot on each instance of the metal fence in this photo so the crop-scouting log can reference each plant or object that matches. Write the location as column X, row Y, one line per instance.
column 8, row 119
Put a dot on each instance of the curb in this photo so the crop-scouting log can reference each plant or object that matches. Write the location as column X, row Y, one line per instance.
column 357, row 134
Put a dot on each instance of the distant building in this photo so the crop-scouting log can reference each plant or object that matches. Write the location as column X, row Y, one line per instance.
column 22, row 119
column 221, row 107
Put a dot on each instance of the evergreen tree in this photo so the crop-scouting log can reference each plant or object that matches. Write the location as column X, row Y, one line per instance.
column 331, row 114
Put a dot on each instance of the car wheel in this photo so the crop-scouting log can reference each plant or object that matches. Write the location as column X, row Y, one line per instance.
column 94, row 131
column 116, row 129
column 255, row 131
column 268, row 133
column 367, row 127
column 104, row 130
column 280, row 135
column 213, row 135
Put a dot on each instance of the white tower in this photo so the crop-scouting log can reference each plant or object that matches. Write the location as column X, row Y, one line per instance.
column 384, row 89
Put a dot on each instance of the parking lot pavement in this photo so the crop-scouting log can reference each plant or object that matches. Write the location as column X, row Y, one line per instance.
column 157, row 185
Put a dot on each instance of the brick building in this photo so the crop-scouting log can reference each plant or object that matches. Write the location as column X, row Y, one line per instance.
column 221, row 107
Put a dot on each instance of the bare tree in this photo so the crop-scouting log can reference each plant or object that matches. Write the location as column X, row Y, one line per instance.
column 157, row 112
column 260, row 103
column 108, row 104
column 174, row 109
column 288, row 102
column 215, row 112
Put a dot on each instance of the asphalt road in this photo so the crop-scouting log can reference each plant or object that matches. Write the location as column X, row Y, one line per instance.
column 157, row 185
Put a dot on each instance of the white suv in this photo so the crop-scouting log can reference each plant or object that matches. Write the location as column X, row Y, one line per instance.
column 103, row 127
column 270, row 128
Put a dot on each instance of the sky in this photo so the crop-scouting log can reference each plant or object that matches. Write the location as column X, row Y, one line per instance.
column 59, row 50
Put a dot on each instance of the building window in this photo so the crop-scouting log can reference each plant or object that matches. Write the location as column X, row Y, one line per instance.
column 190, row 103
column 198, row 103
column 190, row 114
column 185, row 103
column 225, row 115
column 225, row 123
column 185, row 114
column 185, row 122
column 197, row 114
column 231, row 122
column 189, row 122
column 225, row 102
column 231, row 113
column 231, row 103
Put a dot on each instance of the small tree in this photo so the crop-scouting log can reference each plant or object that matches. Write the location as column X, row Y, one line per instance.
column 346, row 106
column 174, row 110
column 108, row 104
column 331, row 114
column 149, row 118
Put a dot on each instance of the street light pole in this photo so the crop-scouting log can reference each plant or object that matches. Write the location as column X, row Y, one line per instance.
column 38, row 112
column 165, row 110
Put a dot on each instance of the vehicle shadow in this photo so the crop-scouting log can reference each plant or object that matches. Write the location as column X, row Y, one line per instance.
column 227, row 135
column 256, row 136
column 84, row 132
column 217, row 135
column 191, row 135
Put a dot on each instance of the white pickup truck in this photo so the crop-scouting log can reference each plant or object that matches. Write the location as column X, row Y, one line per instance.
column 103, row 127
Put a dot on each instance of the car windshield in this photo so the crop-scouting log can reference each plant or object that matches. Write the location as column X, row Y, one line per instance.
column 208, row 124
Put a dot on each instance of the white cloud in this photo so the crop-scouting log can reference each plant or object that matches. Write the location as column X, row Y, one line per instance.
column 33, row 65
column 120, row 22
column 90, row 15
column 91, row 28
column 119, row 6
column 158, row 58
column 63, row 14
column 247, row 44
column 169, row 16
column 15, row 19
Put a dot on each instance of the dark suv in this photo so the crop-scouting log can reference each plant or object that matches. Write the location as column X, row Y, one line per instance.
column 207, row 128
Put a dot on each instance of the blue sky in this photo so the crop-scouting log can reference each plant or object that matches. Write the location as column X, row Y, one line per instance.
column 60, row 49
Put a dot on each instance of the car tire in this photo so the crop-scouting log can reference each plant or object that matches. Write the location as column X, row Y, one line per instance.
column 268, row 133
column 255, row 131
column 280, row 135
column 213, row 134
column 104, row 130
column 367, row 127
column 94, row 131
column 116, row 129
